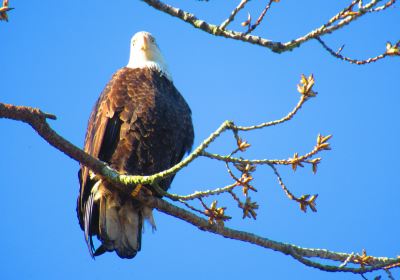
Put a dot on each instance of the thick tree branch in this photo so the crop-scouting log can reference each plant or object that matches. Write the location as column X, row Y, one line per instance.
column 338, row 21
column 214, row 29
column 296, row 252
column 37, row 120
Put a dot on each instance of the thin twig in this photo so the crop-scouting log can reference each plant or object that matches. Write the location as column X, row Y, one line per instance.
column 276, row 122
column 260, row 18
column 283, row 186
column 330, row 27
column 201, row 194
column 343, row 264
column 258, row 161
column 301, row 159
column 351, row 60
column 233, row 14
column 383, row 7
column 191, row 207
column 390, row 275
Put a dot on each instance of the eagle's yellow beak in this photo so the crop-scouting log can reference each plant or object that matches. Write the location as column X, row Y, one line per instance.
column 144, row 43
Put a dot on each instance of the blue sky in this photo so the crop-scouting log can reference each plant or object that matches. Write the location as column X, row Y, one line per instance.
column 58, row 55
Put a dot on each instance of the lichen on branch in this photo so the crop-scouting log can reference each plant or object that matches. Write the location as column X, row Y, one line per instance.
column 215, row 215
column 355, row 10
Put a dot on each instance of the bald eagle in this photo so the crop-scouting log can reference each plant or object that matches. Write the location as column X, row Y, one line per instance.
column 140, row 125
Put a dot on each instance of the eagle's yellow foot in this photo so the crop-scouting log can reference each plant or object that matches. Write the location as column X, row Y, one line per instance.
column 136, row 190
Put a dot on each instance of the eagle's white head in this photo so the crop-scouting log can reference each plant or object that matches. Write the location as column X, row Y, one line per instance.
column 145, row 53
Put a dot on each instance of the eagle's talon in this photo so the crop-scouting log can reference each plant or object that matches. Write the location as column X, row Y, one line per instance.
column 136, row 190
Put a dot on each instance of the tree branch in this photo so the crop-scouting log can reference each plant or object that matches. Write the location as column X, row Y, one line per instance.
column 296, row 252
column 390, row 51
column 37, row 120
column 260, row 18
column 233, row 14
column 338, row 21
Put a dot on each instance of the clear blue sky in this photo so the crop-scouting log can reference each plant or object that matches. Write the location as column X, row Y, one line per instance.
column 58, row 55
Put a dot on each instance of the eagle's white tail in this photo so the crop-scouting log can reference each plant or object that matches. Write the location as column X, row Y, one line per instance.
column 119, row 222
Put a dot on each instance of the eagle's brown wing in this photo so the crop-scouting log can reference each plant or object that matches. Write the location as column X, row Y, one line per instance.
column 101, row 136
column 140, row 125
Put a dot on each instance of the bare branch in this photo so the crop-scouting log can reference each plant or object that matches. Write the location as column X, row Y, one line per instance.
column 296, row 252
column 37, row 120
column 347, row 260
column 200, row 194
column 390, row 275
column 291, row 161
column 304, row 201
column 260, row 18
column 383, row 7
column 214, row 29
column 356, row 61
column 233, row 14
column 338, row 21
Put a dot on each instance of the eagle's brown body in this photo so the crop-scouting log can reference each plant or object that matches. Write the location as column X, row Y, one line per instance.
column 140, row 125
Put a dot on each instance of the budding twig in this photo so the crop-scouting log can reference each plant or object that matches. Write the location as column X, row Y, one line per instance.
column 233, row 14
column 390, row 51
column 343, row 18
column 260, row 18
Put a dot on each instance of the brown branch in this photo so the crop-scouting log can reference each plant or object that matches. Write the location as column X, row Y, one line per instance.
column 296, row 252
column 231, row 159
column 260, row 18
column 37, row 120
column 233, row 14
column 383, row 7
column 191, row 207
column 337, row 54
column 200, row 194
column 389, row 274
column 338, row 21
column 322, row 145
column 214, row 29
column 286, row 118
column 304, row 201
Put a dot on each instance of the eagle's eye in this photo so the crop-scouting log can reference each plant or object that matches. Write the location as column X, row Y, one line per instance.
column 152, row 40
